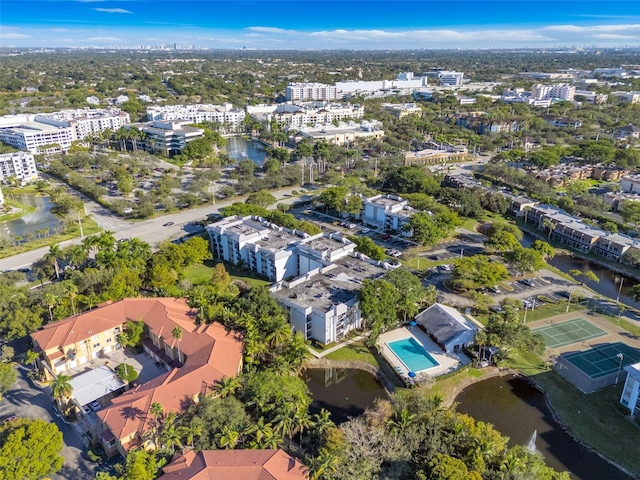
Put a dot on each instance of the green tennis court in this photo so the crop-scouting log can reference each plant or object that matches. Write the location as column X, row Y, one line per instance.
column 603, row 360
column 568, row 332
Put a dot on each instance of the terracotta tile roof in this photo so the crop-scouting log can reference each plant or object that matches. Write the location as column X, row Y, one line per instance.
column 235, row 465
column 209, row 353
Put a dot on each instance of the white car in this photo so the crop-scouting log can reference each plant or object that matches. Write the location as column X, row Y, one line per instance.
column 86, row 409
column 95, row 406
column 365, row 230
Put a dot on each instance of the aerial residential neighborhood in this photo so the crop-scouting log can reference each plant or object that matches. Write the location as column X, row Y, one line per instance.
column 383, row 244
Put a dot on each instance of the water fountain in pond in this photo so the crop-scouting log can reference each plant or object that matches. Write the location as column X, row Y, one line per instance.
column 531, row 444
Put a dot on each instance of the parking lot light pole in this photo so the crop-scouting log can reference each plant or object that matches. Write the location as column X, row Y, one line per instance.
column 621, row 357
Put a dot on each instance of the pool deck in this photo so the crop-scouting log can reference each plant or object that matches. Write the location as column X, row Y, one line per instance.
column 448, row 362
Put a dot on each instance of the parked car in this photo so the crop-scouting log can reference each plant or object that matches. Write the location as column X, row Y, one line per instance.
column 95, row 406
column 86, row 409
column 168, row 224
column 528, row 282
column 495, row 289
column 365, row 230
column 564, row 293
column 8, row 418
column 496, row 309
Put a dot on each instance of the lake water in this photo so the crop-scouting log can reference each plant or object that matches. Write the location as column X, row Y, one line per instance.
column 239, row 149
column 517, row 410
column 343, row 392
column 41, row 219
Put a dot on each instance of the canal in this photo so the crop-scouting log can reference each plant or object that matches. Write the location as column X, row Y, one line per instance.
column 519, row 411
column 345, row 393
column 609, row 284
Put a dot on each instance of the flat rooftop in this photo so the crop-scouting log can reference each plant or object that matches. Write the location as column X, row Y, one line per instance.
column 384, row 201
column 338, row 285
column 324, row 244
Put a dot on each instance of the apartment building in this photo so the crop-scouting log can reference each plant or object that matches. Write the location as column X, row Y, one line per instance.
column 613, row 246
column 405, row 82
column 24, row 133
column 560, row 91
column 303, row 114
column 627, row 132
column 436, row 157
column 387, row 212
column 311, row 91
column 592, row 97
column 449, row 78
column 20, row 165
column 343, row 134
column 561, row 122
column 628, row 97
column 485, row 126
column 630, row 184
column 224, row 114
column 401, row 110
column 169, row 136
column 86, row 122
column 204, row 355
column 316, row 278
column 617, row 199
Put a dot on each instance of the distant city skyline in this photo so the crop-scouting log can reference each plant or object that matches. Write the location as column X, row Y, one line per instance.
column 329, row 24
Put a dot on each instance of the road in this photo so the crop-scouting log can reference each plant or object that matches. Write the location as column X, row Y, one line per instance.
column 151, row 231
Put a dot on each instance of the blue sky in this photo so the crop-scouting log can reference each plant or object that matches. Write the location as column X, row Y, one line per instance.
column 329, row 24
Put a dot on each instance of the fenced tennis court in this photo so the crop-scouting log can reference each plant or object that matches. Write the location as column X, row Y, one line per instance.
column 570, row 331
column 597, row 367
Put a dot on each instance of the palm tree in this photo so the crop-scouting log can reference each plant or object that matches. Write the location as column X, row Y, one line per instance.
column 177, row 334
column 190, row 432
column 325, row 462
column 52, row 256
column 171, row 438
column 50, row 301
column 62, row 389
column 280, row 333
column 322, row 422
column 547, row 223
column 158, row 412
column 228, row 386
column 402, row 421
column 71, row 291
column 228, row 437
column 260, row 432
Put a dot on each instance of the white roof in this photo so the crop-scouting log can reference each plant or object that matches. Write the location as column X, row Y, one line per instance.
column 94, row 384
column 634, row 370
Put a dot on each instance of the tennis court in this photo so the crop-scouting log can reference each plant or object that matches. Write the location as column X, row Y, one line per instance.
column 568, row 332
column 603, row 360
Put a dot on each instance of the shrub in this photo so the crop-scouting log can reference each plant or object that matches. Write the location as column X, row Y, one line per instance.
column 126, row 373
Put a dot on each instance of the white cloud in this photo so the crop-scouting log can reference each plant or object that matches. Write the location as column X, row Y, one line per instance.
column 14, row 36
column 271, row 30
column 105, row 39
column 112, row 10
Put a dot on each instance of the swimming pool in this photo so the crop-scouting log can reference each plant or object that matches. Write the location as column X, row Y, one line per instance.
column 412, row 354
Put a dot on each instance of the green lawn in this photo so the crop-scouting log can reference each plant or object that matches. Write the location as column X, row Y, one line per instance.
column 201, row 273
column 356, row 351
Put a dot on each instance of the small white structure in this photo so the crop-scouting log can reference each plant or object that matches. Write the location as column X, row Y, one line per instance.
column 450, row 329
column 93, row 385
column 631, row 391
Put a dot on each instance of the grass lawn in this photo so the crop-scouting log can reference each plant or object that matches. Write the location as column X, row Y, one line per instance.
column 446, row 385
column 356, row 351
column 24, row 210
column 595, row 418
column 201, row 273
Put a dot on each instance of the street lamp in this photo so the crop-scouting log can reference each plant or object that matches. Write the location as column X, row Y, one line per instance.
column 621, row 357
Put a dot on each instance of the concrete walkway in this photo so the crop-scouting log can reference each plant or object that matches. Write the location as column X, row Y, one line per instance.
column 337, row 347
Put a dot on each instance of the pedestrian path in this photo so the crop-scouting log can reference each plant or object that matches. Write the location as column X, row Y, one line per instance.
column 324, row 353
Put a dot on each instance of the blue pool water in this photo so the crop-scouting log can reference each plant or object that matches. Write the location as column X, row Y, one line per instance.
column 412, row 354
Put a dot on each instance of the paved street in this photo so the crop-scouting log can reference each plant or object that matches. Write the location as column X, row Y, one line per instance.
column 151, row 231
column 26, row 399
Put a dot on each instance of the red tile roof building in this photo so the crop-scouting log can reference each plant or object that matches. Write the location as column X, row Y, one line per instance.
column 204, row 355
column 235, row 465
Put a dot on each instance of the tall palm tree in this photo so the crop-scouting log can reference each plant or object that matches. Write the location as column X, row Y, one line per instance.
column 322, row 422
column 177, row 334
column 50, row 301
column 325, row 462
column 72, row 291
column 190, row 432
column 260, row 431
column 62, row 389
column 54, row 253
column 228, row 386
column 158, row 412
column 171, row 438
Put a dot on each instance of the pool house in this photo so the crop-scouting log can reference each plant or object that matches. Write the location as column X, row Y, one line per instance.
column 450, row 329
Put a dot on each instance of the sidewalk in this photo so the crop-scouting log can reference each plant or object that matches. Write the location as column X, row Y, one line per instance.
column 337, row 347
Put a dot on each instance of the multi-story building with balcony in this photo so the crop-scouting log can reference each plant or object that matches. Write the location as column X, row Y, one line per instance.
column 192, row 364
column 401, row 110
column 311, row 91
column 224, row 114
column 316, row 278
column 630, row 184
column 20, row 165
column 302, row 114
column 387, row 212
column 554, row 92
column 169, row 136
column 343, row 134
column 86, row 122
column 24, row 133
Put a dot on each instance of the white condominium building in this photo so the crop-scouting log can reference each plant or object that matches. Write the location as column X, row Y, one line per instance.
column 224, row 114
column 559, row 91
column 86, row 122
column 20, row 165
column 404, row 81
column 169, row 136
column 450, row 78
column 310, row 91
column 303, row 114
column 24, row 133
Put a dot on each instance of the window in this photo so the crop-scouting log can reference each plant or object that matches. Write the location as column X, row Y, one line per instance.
column 96, row 345
column 109, row 340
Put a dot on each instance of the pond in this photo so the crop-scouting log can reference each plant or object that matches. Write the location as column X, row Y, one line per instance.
column 609, row 284
column 239, row 149
column 343, row 392
column 519, row 411
column 41, row 219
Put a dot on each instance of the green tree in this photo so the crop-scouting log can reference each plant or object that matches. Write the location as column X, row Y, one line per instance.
column 409, row 291
column 177, row 334
column 630, row 211
column 368, row 247
column 525, row 260
column 546, row 250
column 29, row 449
column 445, row 467
column 126, row 372
column 61, row 389
column 378, row 306
column 502, row 241
column 140, row 465
column 477, row 271
column 8, row 377
column 262, row 199
column 132, row 334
